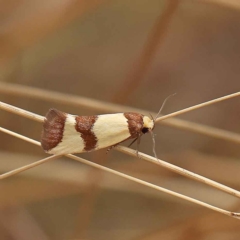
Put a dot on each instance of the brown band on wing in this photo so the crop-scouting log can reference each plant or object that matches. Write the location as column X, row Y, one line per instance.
column 135, row 123
column 53, row 128
column 84, row 125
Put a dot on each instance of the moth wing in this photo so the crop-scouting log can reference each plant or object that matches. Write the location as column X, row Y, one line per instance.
column 53, row 128
column 59, row 135
column 111, row 129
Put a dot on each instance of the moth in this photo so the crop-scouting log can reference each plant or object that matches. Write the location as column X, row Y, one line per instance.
column 65, row 133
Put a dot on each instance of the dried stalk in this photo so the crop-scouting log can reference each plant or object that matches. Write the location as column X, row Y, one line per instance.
column 198, row 106
column 171, row 167
column 24, row 91
column 11, row 173
column 129, row 151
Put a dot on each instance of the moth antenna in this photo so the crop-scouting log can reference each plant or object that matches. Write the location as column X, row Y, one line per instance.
column 152, row 117
column 154, row 144
column 164, row 102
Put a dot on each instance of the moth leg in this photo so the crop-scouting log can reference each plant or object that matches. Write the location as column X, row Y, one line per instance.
column 110, row 148
column 138, row 143
column 133, row 142
column 138, row 139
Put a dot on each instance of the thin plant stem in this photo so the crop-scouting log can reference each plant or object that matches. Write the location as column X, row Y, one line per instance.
column 19, row 136
column 61, row 98
column 131, row 152
column 198, row 106
column 123, row 175
column 29, row 166
column 228, row 213
column 180, row 170
column 21, row 112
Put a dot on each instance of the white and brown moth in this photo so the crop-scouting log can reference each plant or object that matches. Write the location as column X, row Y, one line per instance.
column 65, row 133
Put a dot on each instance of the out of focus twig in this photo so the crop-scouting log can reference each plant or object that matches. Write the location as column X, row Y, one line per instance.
column 153, row 42
column 62, row 98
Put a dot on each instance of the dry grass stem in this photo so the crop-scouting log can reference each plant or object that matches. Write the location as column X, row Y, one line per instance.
column 21, row 112
column 128, row 151
column 29, row 166
column 234, row 4
column 21, row 169
column 180, row 171
column 198, row 106
column 25, row 91
column 19, row 136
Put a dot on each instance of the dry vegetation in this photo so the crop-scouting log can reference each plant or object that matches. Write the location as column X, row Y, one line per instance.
column 90, row 57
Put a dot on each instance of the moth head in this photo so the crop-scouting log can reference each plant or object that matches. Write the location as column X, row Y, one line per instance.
column 148, row 124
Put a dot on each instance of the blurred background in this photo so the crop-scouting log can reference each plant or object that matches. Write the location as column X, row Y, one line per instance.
column 134, row 53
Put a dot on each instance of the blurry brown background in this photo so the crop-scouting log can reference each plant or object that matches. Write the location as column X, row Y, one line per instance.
column 134, row 53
